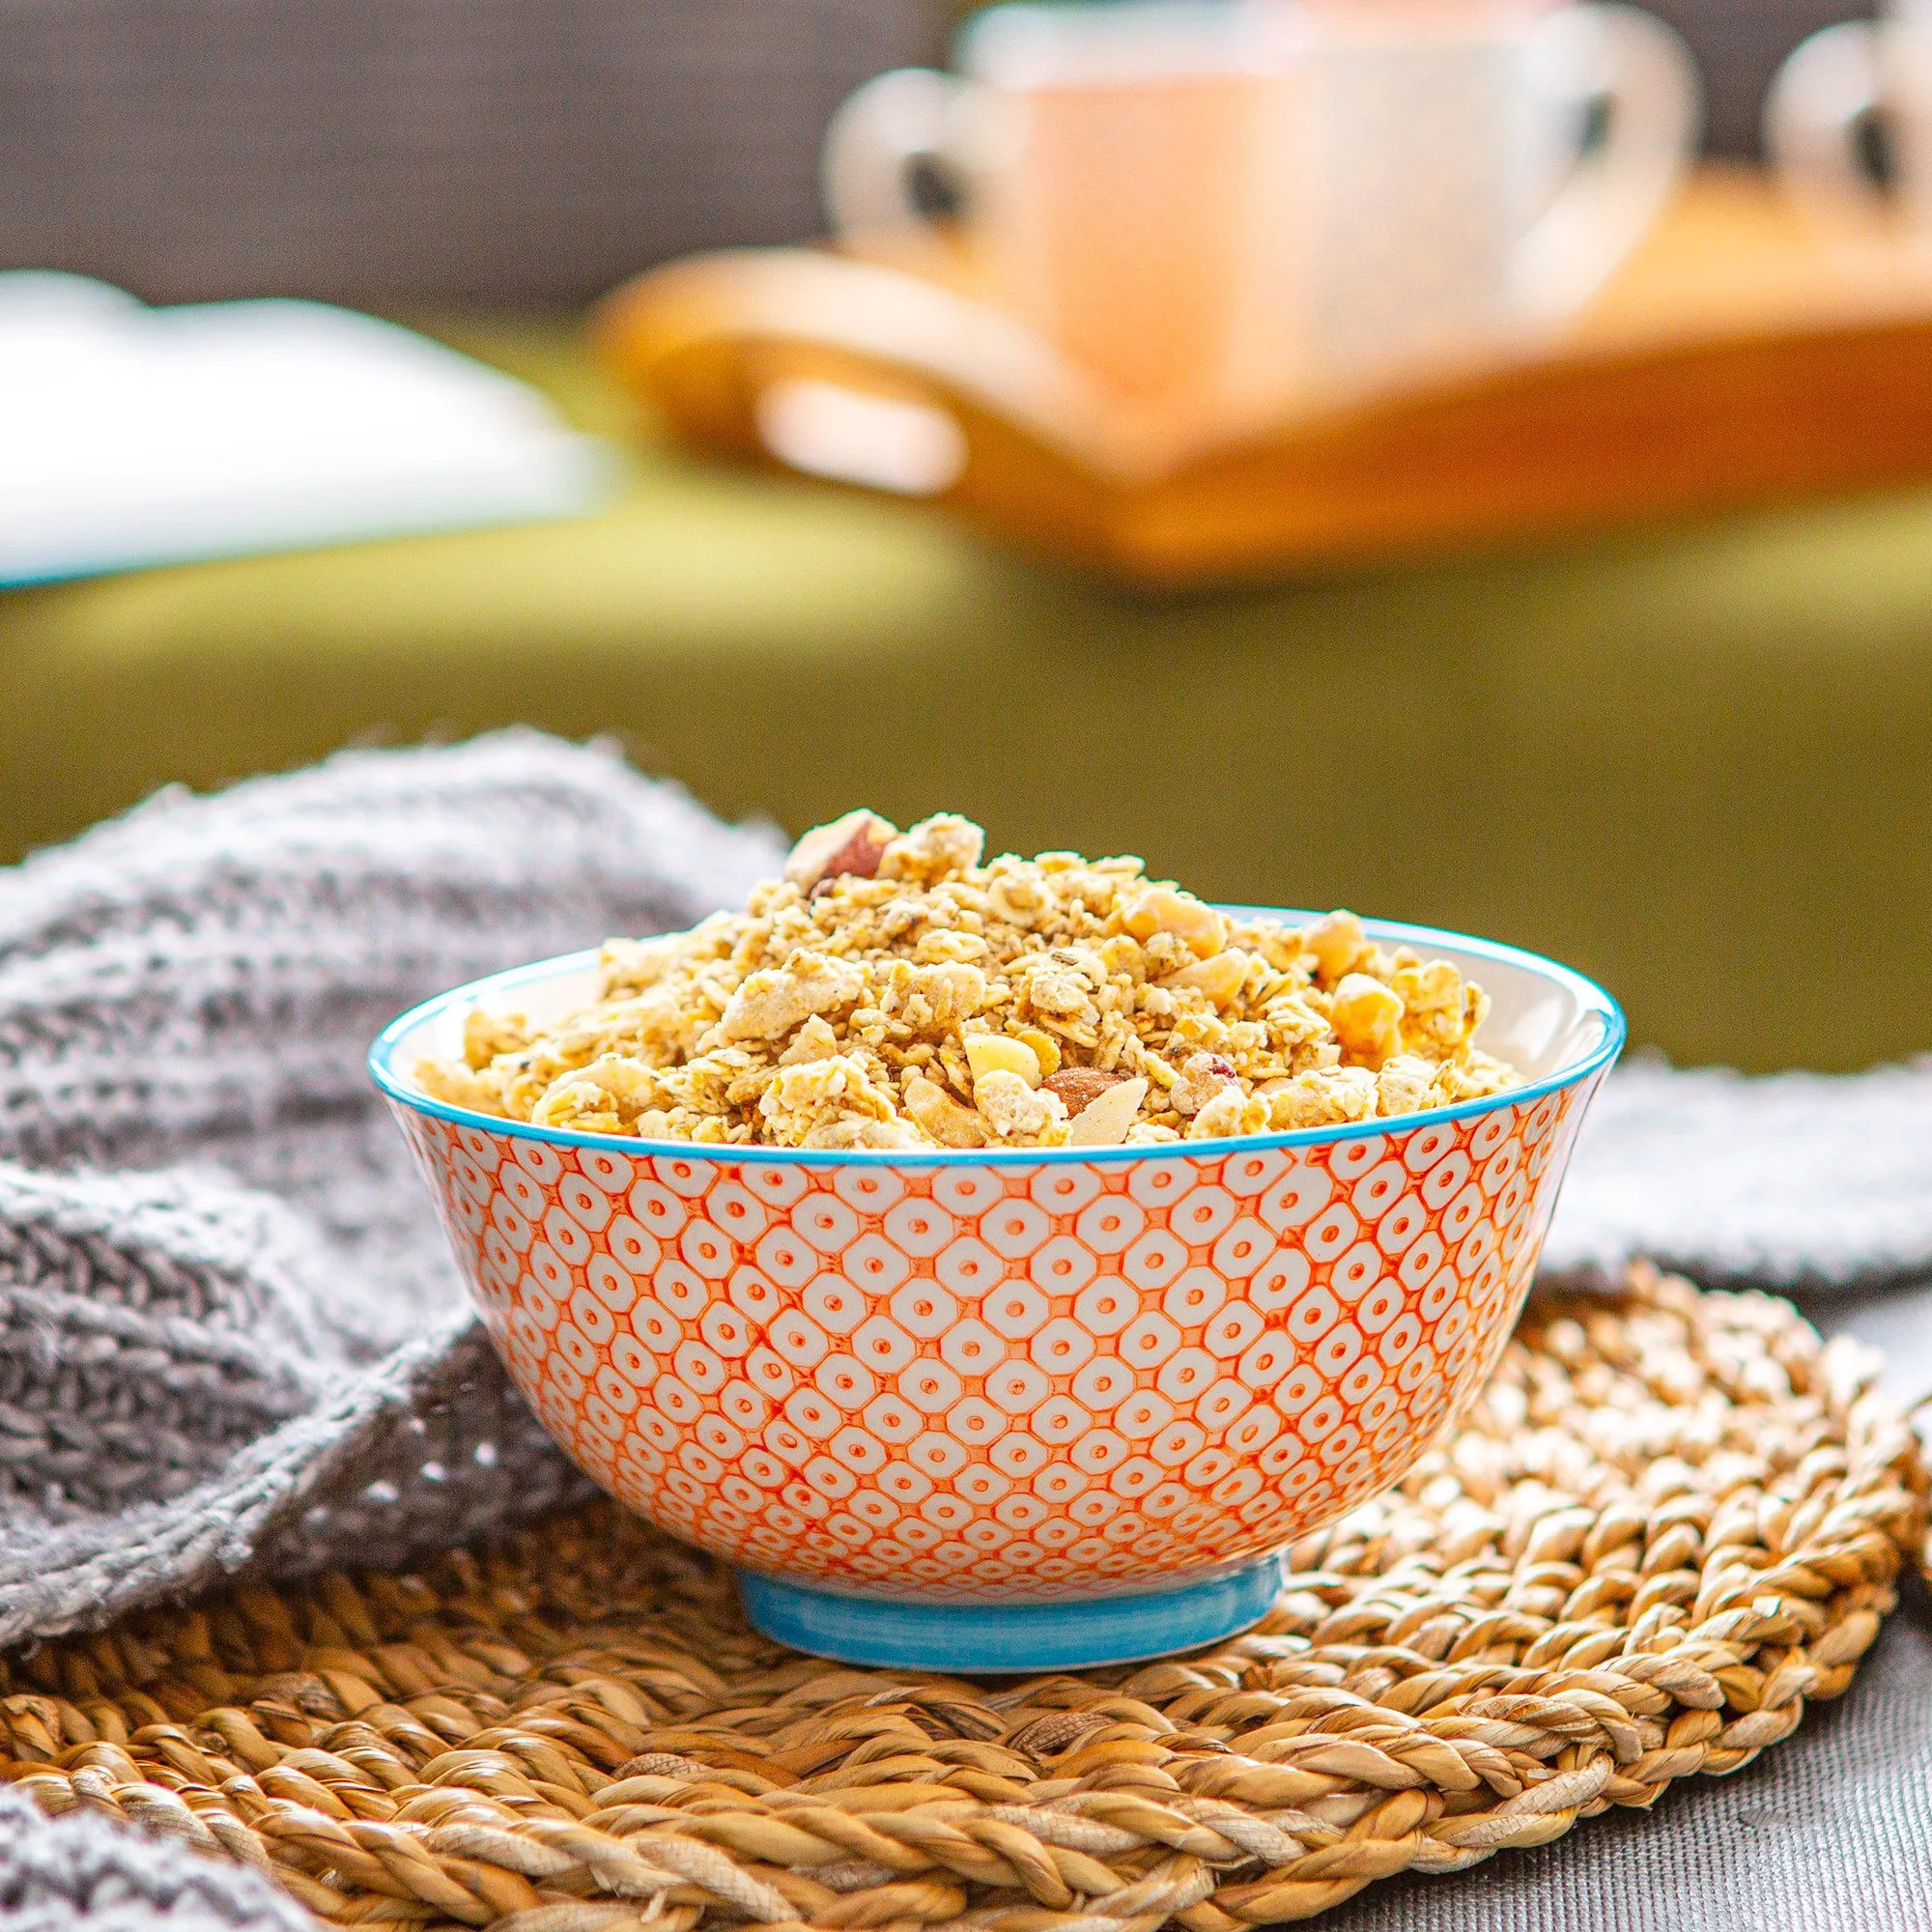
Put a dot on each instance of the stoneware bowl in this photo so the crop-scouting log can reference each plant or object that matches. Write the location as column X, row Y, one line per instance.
column 1009, row 1410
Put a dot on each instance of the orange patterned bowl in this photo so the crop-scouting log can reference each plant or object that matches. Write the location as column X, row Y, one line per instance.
column 1010, row 1410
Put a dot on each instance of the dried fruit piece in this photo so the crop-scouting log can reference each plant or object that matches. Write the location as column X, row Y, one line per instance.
column 994, row 1053
column 1079, row 1086
column 849, row 848
column 1105, row 1119
column 1046, row 1049
column 1367, row 1018
column 1338, row 943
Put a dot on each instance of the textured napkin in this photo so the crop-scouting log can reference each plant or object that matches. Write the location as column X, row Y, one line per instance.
column 138, row 435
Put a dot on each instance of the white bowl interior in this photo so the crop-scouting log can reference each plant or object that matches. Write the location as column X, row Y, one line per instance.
column 439, row 1035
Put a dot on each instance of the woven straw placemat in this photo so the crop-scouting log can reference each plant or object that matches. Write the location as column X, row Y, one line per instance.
column 1674, row 1518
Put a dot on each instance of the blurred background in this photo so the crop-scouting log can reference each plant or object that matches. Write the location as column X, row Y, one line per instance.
column 1303, row 511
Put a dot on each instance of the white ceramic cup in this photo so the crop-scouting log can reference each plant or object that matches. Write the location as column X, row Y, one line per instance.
column 1828, row 89
column 1460, row 198
column 1237, row 194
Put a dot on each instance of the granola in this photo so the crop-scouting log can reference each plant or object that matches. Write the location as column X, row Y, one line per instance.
column 893, row 990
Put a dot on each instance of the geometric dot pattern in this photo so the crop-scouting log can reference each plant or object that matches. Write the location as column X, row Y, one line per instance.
column 1003, row 1381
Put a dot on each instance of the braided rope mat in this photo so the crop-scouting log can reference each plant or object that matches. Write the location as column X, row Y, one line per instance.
column 1674, row 1518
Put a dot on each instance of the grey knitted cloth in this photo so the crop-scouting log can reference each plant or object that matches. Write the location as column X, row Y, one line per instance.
column 230, row 1334
column 60, row 1874
column 1803, row 1182
column 229, row 1330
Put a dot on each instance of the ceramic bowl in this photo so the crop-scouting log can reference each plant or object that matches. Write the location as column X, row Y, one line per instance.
column 1000, row 1411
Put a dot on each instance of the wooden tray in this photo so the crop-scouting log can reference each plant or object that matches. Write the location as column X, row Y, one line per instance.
column 1741, row 356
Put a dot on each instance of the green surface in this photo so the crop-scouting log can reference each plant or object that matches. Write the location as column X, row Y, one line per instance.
column 1698, row 765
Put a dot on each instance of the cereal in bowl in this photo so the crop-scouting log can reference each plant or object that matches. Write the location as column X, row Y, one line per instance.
column 895, row 989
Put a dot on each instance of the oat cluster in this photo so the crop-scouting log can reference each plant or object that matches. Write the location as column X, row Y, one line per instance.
column 893, row 990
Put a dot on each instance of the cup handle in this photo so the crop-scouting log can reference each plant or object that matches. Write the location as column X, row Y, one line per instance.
column 1643, row 68
column 875, row 141
column 1829, row 84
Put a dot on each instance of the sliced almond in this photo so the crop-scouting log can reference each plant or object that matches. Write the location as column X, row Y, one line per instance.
column 1105, row 1119
column 1079, row 1086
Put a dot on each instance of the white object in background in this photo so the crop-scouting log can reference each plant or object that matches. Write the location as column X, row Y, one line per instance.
column 131, row 436
column 1461, row 200
column 1831, row 86
column 1337, row 190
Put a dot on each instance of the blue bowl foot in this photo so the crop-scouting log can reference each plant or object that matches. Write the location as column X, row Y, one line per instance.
column 979, row 1639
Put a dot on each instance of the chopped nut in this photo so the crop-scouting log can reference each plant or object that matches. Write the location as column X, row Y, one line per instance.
column 994, row 1053
column 1015, row 1110
column 937, row 848
column 1367, row 1018
column 1220, row 977
column 943, row 1116
column 1162, row 909
column 849, row 848
column 1229, row 1112
column 1105, row 1119
column 1203, row 1075
column 1079, row 1086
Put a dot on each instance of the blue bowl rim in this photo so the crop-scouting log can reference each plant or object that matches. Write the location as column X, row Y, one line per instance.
column 1592, row 997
